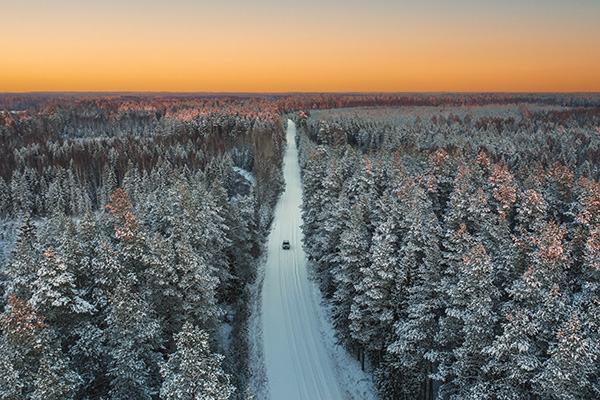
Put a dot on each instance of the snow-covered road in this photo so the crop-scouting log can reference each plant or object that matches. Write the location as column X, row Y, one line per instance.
column 300, row 360
column 298, row 365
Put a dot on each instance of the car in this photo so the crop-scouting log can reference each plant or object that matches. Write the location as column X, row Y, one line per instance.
column 286, row 245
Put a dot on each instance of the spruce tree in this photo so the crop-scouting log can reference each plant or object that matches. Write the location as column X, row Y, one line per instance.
column 26, row 258
column 354, row 255
column 375, row 306
column 193, row 372
column 24, row 339
column 55, row 296
column 538, row 305
column 571, row 372
column 55, row 380
column 475, row 303
column 132, row 340
column 413, row 345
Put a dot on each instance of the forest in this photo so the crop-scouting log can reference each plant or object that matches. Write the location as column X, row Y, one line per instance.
column 132, row 229
column 455, row 238
column 459, row 246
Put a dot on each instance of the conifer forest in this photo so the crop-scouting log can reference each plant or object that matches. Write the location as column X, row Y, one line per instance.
column 454, row 240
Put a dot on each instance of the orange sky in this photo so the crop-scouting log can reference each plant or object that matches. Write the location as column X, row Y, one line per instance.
column 284, row 45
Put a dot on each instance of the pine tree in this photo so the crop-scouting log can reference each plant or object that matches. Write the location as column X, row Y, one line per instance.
column 132, row 339
column 414, row 347
column 475, row 302
column 55, row 296
column 198, row 286
column 443, row 169
column 456, row 244
column 312, row 201
column 457, row 209
column 589, row 239
column 327, row 236
column 132, row 241
column 55, row 380
column 11, row 383
column 571, row 372
column 108, row 185
column 55, row 197
column 193, row 372
column 162, row 278
column 89, row 240
column 501, row 244
column 5, row 199
column 245, row 242
column 531, row 214
column 221, row 245
column 560, row 194
column 204, row 228
column 22, row 197
column 533, row 316
column 24, row 339
column 377, row 297
column 25, row 260
column 505, row 193
column 107, row 275
column 354, row 255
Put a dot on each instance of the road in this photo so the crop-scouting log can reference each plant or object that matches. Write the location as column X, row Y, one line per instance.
column 298, row 363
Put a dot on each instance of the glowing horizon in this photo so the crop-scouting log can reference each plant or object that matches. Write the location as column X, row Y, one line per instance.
column 314, row 46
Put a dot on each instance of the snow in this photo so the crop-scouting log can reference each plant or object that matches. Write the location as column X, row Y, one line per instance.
column 244, row 183
column 8, row 234
column 301, row 360
column 226, row 327
column 246, row 174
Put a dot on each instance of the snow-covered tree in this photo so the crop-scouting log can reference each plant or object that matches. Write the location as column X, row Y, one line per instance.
column 537, row 307
column 571, row 372
column 5, row 198
column 107, row 274
column 89, row 240
column 328, row 234
column 25, row 260
column 197, row 286
column 244, row 240
column 11, row 383
column 455, row 244
column 413, row 345
column 55, row 380
column 161, row 275
column 474, row 303
column 314, row 175
column 375, row 304
column 55, row 296
column 193, row 372
column 128, row 231
column 132, row 340
column 23, row 341
column 354, row 255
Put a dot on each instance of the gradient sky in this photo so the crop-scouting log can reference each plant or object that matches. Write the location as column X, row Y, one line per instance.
column 309, row 45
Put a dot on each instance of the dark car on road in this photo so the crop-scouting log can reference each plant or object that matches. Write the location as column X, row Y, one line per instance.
column 286, row 245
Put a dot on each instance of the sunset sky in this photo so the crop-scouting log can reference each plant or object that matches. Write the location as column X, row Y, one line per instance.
column 309, row 45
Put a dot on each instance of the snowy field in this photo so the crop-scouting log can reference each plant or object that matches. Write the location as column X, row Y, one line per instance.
column 301, row 360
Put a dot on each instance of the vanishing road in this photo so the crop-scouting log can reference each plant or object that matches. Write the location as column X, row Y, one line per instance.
column 297, row 362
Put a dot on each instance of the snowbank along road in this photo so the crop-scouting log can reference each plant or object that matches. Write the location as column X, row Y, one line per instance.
column 297, row 361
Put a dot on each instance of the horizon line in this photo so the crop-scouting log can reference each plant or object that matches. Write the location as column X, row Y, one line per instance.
column 293, row 92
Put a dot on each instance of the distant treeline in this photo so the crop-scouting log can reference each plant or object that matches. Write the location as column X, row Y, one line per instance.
column 83, row 151
column 298, row 101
